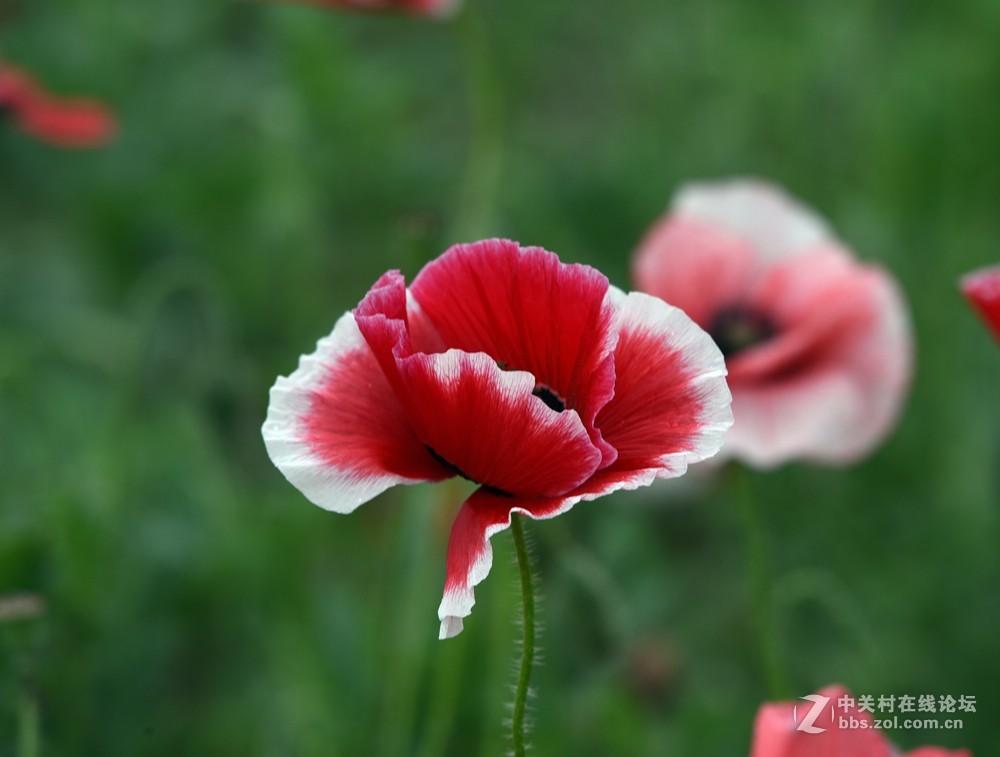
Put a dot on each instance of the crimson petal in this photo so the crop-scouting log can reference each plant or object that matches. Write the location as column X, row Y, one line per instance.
column 483, row 422
column 336, row 431
column 529, row 312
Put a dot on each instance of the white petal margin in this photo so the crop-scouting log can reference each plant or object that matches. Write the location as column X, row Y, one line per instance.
column 339, row 488
column 704, row 365
column 764, row 214
column 707, row 371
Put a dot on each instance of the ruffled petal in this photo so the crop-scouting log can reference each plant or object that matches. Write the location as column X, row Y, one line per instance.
column 485, row 423
column 762, row 213
column 335, row 429
column 529, row 312
column 694, row 267
column 830, row 386
column 982, row 289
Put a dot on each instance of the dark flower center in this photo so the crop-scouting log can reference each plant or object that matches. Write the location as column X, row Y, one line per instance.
column 549, row 397
column 739, row 327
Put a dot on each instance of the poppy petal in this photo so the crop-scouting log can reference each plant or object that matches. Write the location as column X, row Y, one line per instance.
column 982, row 288
column 470, row 555
column 672, row 404
column 69, row 123
column 335, row 429
column 777, row 732
column 484, row 422
column 695, row 267
column 529, row 312
column 775, row 223
column 830, row 385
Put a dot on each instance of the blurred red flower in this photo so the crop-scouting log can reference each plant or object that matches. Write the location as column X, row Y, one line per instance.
column 74, row 123
column 532, row 378
column 982, row 289
column 817, row 344
column 439, row 8
column 836, row 727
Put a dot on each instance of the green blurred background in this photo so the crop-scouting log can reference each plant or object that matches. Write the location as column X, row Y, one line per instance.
column 274, row 160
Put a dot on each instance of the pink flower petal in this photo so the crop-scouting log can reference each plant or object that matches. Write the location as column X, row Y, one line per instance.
column 486, row 423
column 936, row 751
column 830, row 386
column 982, row 288
column 757, row 211
column 776, row 732
column 695, row 267
column 336, row 430
column 529, row 312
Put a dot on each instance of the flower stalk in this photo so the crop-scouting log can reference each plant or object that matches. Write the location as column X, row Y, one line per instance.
column 522, row 689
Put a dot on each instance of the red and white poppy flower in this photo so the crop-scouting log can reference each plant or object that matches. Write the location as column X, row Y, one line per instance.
column 435, row 8
column 817, row 344
column 530, row 377
column 982, row 289
column 61, row 122
column 836, row 727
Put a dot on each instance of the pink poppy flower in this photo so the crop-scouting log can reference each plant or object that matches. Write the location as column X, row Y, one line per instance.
column 817, row 344
column 532, row 378
column 438, row 8
column 836, row 728
column 982, row 289
column 61, row 122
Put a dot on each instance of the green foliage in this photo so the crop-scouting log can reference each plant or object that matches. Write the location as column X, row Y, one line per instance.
column 273, row 161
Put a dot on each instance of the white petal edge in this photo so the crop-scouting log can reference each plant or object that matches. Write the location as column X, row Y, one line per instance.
column 335, row 489
column 777, row 224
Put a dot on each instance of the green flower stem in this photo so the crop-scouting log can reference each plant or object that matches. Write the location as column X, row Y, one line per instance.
column 528, row 642
column 759, row 570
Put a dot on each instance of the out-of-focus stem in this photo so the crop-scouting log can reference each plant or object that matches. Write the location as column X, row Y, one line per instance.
column 759, row 570
column 474, row 217
column 528, row 641
column 27, row 725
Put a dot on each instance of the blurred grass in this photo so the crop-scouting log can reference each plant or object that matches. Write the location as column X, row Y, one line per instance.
column 273, row 162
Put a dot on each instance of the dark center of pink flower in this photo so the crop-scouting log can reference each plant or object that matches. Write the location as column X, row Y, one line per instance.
column 739, row 327
column 550, row 398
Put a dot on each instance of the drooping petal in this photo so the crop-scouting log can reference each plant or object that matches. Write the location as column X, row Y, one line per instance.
column 335, row 429
column 982, row 289
column 695, row 267
column 529, row 312
column 485, row 422
column 470, row 555
column 829, row 386
column 762, row 213
column 793, row 729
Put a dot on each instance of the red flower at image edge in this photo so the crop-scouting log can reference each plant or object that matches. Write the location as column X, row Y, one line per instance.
column 982, row 289
column 438, row 8
column 793, row 729
column 61, row 122
column 817, row 344
column 532, row 378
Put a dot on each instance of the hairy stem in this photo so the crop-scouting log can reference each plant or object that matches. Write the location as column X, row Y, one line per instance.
column 528, row 642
